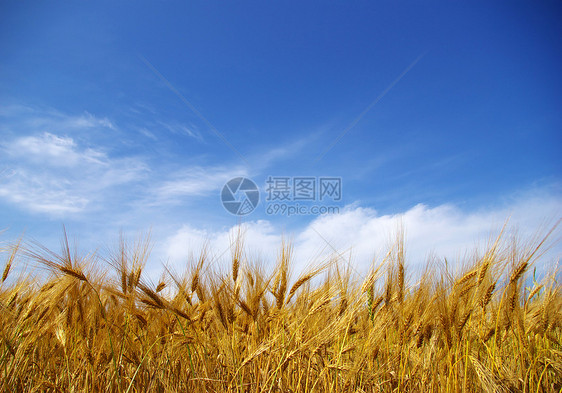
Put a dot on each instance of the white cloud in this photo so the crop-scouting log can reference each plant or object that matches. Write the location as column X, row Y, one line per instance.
column 56, row 171
column 57, row 175
column 42, row 193
column 194, row 181
column 182, row 129
column 261, row 240
column 443, row 231
column 55, row 165
column 53, row 150
column 35, row 119
column 147, row 133
column 87, row 120
column 53, row 174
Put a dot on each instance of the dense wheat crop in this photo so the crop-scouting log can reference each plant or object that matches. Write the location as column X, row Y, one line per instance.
column 93, row 324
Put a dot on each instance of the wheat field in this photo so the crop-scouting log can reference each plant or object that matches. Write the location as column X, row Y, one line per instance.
column 99, row 324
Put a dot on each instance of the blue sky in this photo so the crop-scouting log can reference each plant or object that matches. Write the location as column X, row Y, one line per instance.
column 122, row 116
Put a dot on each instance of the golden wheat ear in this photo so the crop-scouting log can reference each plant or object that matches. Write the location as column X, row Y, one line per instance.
column 67, row 262
column 15, row 249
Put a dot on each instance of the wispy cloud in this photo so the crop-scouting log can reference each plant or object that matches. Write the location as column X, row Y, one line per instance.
column 56, row 171
column 35, row 119
column 268, row 156
column 153, row 129
column 42, row 194
column 55, row 175
column 52, row 150
column 195, row 111
column 197, row 180
column 144, row 131
column 369, row 107
column 190, row 130
column 53, row 169
column 193, row 181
